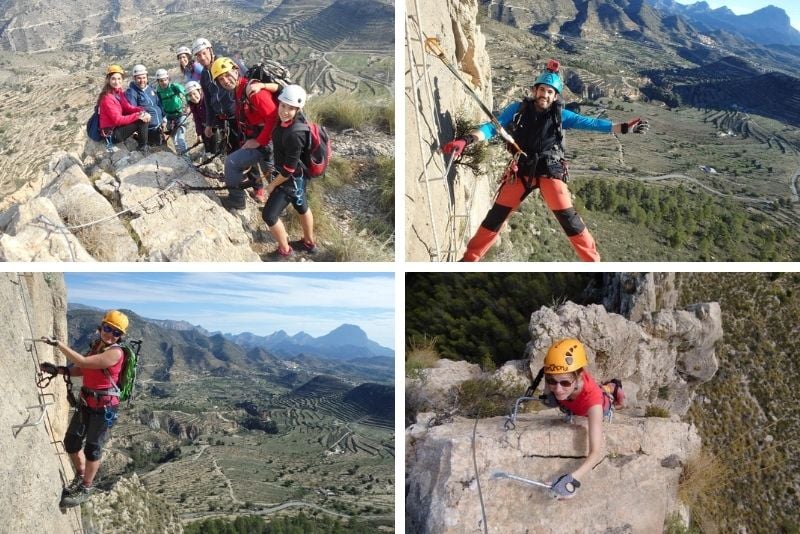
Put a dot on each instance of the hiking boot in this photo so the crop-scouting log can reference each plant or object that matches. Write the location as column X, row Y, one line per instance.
column 233, row 203
column 81, row 495
column 304, row 246
column 281, row 255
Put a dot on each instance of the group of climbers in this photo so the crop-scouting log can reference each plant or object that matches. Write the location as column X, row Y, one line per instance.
column 234, row 117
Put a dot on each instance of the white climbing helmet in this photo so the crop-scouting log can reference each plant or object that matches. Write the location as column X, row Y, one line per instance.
column 183, row 50
column 199, row 45
column 162, row 74
column 191, row 86
column 139, row 69
column 293, row 95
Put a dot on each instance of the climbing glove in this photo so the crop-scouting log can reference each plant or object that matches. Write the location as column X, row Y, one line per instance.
column 49, row 368
column 636, row 125
column 457, row 146
column 565, row 487
column 50, row 341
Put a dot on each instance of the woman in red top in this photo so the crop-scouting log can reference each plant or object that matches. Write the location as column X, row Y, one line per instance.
column 97, row 409
column 118, row 118
column 570, row 386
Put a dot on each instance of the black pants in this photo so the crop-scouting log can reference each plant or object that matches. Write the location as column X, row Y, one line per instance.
column 291, row 192
column 90, row 425
column 121, row 133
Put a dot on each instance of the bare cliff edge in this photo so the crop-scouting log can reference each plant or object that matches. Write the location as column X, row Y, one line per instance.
column 661, row 354
column 442, row 214
column 31, row 472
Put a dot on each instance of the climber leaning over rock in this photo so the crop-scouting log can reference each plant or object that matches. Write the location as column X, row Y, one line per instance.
column 97, row 408
column 536, row 124
column 569, row 386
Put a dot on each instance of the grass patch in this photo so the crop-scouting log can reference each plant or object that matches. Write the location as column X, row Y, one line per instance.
column 421, row 354
column 342, row 113
column 485, row 397
column 385, row 184
column 656, row 411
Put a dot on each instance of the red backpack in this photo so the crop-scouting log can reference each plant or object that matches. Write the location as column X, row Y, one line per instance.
column 317, row 152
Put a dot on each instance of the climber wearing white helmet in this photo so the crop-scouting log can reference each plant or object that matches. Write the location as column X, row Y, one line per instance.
column 220, row 104
column 190, row 68
column 140, row 94
column 197, row 105
column 173, row 102
column 290, row 185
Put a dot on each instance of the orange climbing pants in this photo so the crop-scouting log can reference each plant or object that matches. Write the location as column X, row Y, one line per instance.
column 511, row 195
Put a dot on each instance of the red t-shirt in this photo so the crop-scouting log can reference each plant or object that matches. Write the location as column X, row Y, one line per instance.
column 590, row 395
column 259, row 111
column 96, row 379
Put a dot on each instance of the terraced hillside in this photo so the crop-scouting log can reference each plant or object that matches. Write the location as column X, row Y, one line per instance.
column 346, row 45
column 327, row 452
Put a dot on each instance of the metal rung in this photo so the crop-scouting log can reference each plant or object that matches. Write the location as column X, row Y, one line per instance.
column 43, row 407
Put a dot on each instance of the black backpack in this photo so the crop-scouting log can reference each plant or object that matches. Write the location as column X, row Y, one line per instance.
column 269, row 71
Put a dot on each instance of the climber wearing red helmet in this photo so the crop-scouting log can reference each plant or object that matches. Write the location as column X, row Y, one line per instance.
column 536, row 124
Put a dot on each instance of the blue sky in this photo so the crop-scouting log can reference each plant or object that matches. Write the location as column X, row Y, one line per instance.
column 743, row 7
column 261, row 303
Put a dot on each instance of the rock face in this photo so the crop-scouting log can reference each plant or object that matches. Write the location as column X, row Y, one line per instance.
column 32, row 305
column 72, row 217
column 442, row 214
column 636, row 295
column 187, row 426
column 142, row 511
column 433, row 387
column 661, row 360
column 629, row 491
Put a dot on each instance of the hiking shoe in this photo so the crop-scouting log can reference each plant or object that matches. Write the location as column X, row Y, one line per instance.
column 81, row 495
column 282, row 255
column 233, row 204
column 260, row 195
column 304, row 246
column 73, row 486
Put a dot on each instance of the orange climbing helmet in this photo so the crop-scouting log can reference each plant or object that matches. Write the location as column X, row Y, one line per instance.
column 117, row 319
column 565, row 356
column 114, row 69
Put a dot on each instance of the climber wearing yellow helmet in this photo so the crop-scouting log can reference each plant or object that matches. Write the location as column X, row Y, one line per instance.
column 570, row 387
column 97, row 408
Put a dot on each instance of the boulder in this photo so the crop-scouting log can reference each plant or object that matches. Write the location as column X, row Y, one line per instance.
column 662, row 360
column 433, row 388
column 33, row 232
column 629, row 491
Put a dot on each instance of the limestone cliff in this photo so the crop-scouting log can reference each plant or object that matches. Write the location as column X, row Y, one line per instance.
column 442, row 211
column 32, row 471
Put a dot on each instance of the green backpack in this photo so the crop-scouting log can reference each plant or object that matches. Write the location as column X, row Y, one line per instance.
column 127, row 376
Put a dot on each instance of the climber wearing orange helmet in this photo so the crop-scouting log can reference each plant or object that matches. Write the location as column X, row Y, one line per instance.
column 571, row 387
column 119, row 119
column 97, row 409
column 536, row 124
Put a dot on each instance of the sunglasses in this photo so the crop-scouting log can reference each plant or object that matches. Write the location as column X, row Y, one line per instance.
column 107, row 329
column 563, row 383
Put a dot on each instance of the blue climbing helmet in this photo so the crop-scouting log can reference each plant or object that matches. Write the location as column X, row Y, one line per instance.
column 550, row 76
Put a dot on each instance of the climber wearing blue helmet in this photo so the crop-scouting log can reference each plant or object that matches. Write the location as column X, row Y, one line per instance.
column 537, row 125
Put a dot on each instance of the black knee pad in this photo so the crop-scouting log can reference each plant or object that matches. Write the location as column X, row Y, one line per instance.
column 72, row 443
column 93, row 451
column 496, row 217
column 570, row 221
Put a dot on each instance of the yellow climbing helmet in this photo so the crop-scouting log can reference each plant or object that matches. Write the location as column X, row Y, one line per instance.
column 565, row 356
column 117, row 319
column 114, row 69
column 221, row 66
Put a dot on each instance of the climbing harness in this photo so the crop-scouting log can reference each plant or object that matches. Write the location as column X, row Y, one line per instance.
column 432, row 45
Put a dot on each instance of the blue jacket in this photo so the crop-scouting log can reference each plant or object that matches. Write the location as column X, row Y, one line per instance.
column 218, row 100
column 569, row 119
column 148, row 99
